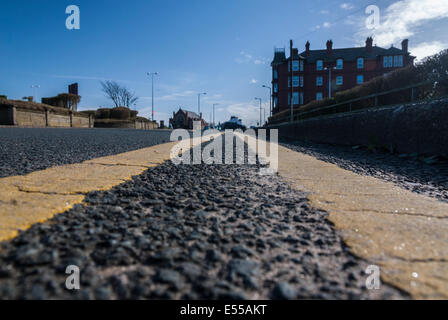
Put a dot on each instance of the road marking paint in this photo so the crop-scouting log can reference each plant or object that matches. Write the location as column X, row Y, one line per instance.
column 40, row 195
column 404, row 233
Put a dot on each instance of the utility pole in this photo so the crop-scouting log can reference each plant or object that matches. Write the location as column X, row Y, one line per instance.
column 329, row 79
column 260, row 108
column 152, row 74
column 35, row 87
column 214, row 105
column 199, row 103
column 270, row 97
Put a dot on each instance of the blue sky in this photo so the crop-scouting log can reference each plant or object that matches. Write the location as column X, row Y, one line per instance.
column 223, row 48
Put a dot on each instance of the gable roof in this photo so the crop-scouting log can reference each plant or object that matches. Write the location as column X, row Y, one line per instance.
column 350, row 54
column 189, row 114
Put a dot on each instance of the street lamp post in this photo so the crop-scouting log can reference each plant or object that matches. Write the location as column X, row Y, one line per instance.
column 152, row 74
column 199, row 102
column 329, row 79
column 35, row 87
column 270, row 97
column 214, row 105
column 259, row 99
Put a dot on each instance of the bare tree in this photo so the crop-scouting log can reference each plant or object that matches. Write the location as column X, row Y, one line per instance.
column 120, row 95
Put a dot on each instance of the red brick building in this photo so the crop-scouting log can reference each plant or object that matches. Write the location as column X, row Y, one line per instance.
column 183, row 119
column 304, row 77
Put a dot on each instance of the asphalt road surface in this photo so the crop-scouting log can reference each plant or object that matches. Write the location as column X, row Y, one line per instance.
column 188, row 232
column 24, row 150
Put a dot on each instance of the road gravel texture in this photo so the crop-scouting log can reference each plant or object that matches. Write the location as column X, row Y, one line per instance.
column 406, row 170
column 188, row 232
column 24, row 150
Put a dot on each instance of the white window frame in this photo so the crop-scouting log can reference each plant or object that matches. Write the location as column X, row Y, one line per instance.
column 319, row 96
column 339, row 80
column 319, row 81
column 388, row 61
column 319, row 65
column 295, row 98
column 302, row 81
column 398, row 61
column 340, row 64
column 295, row 81
column 360, row 63
column 302, row 65
column 295, row 65
column 360, row 76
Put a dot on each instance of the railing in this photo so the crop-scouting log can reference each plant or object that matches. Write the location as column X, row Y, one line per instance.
column 413, row 93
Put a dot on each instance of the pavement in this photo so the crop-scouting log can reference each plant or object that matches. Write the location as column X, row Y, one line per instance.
column 140, row 227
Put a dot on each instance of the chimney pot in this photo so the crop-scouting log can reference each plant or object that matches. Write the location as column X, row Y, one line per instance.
column 405, row 45
column 329, row 46
column 307, row 46
column 369, row 44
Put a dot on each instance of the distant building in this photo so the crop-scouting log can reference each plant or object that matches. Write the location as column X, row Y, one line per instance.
column 183, row 119
column 304, row 77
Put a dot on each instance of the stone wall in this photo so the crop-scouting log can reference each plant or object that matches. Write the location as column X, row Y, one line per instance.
column 10, row 115
column 419, row 127
column 30, row 118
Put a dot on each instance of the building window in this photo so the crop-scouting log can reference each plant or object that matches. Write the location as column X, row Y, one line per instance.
column 339, row 80
column 301, row 97
column 275, row 102
column 289, row 98
column 360, row 79
column 295, row 65
column 301, row 81
column 275, row 87
column 319, row 65
column 398, row 61
column 289, row 82
column 388, row 61
column 302, row 65
column 319, row 81
column 295, row 98
column 319, row 96
column 360, row 63
column 340, row 64
column 295, row 81
column 275, row 74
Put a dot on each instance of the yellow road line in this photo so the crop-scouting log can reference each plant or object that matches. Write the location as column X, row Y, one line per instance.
column 38, row 196
column 402, row 232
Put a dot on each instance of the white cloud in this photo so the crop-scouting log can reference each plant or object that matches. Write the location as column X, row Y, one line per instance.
column 346, row 6
column 324, row 12
column 253, row 81
column 427, row 49
column 174, row 96
column 326, row 25
column 245, row 57
column 403, row 18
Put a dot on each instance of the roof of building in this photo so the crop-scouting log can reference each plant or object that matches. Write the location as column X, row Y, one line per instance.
column 190, row 114
column 350, row 54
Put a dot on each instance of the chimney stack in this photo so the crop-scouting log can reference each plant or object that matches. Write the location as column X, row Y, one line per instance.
column 369, row 44
column 405, row 45
column 307, row 46
column 329, row 46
